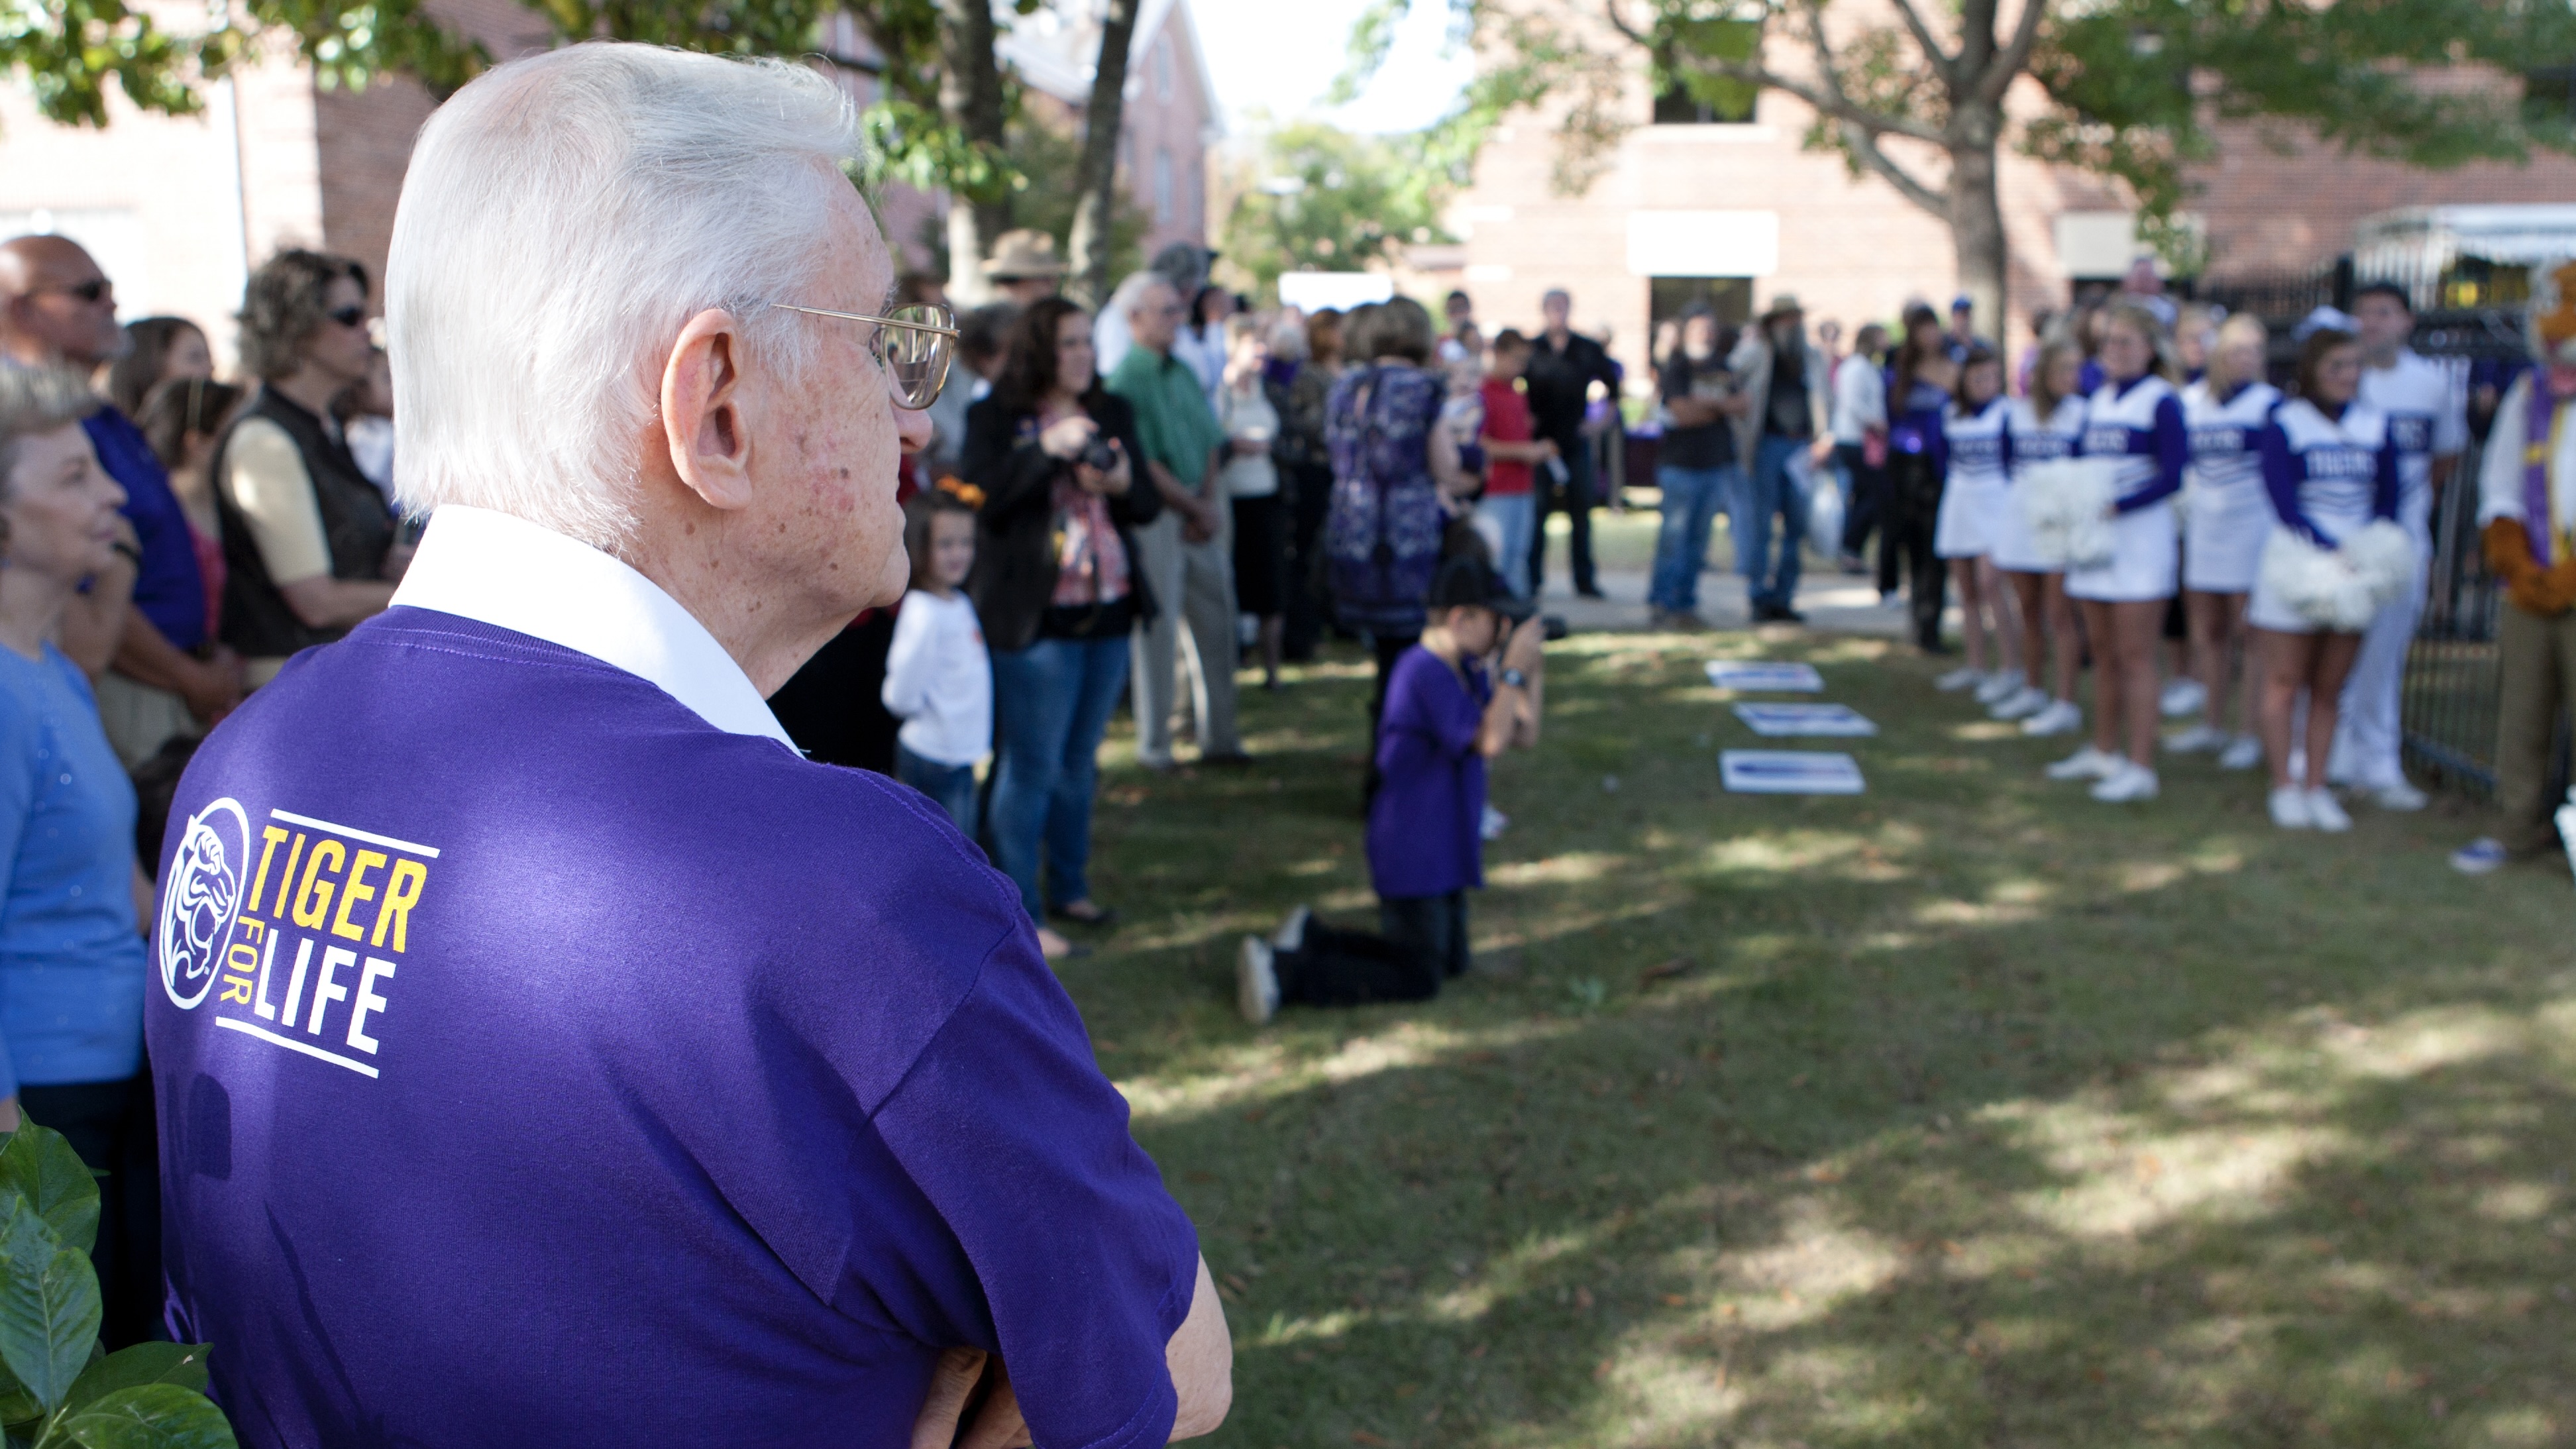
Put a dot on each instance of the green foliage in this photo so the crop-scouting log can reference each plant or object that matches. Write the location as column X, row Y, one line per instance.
column 1328, row 200
column 57, row 1389
column 1044, row 176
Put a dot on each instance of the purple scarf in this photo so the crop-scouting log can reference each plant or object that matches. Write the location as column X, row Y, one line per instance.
column 2535, row 469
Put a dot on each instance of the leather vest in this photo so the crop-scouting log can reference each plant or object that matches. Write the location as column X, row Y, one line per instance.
column 357, row 528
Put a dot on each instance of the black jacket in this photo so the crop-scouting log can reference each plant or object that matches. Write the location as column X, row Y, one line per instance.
column 356, row 525
column 1014, row 579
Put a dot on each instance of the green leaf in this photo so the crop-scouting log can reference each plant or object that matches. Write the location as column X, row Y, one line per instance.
column 17, row 1406
column 38, row 1162
column 150, row 1416
column 49, row 1305
column 183, row 1364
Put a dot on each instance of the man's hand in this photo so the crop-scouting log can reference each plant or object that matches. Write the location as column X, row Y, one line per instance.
column 997, row 1423
column 1199, row 521
column 213, row 687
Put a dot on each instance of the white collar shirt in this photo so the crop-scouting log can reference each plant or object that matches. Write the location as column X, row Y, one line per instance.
column 512, row 574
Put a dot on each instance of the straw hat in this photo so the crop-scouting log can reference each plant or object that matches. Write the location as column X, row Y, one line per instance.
column 1782, row 305
column 1023, row 255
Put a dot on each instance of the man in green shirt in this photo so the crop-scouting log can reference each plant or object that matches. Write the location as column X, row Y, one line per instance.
column 1186, row 555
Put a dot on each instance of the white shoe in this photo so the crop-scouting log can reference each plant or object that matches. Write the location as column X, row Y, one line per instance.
column 2196, row 740
column 1958, row 679
column 1495, row 823
column 2057, row 717
column 2400, row 796
column 2022, row 703
column 2482, row 856
column 2131, row 781
column 1256, row 981
column 2290, row 808
column 2181, row 697
column 1290, row 938
column 2325, row 812
column 2000, row 685
column 2087, row 763
column 2242, row 753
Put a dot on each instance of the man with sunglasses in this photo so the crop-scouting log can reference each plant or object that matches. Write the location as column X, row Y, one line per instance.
column 617, row 1076
column 169, row 677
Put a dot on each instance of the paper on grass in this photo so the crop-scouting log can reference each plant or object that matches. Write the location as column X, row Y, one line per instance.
column 1757, row 674
column 1789, row 772
column 1775, row 720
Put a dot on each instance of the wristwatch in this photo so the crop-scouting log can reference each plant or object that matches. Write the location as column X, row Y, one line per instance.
column 1515, row 679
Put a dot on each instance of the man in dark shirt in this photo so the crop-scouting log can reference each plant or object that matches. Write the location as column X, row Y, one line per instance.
column 1563, row 366
column 1694, row 466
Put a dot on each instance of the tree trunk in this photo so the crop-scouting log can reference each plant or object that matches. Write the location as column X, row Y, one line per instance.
column 1098, row 178
column 1977, row 227
column 970, row 91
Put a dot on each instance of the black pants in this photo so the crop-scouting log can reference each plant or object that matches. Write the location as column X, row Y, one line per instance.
column 1914, row 503
column 1865, row 512
column 111, row 1126
column 1574, row 498
column 1425, row 940
column 1310, row 498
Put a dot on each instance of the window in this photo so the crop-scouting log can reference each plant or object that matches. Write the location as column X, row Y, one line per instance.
column 2549, row 94
column 1163, row 187
column 1163, row 69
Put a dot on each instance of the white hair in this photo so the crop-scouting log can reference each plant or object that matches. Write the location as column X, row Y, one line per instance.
column 1131, row 292
column 564, row 215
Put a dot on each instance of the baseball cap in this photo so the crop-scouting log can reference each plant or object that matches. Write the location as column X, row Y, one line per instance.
column 1468, row 581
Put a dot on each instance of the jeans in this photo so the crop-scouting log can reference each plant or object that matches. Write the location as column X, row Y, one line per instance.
column 1051, row 704
column 1865, row 501
column 950, row 787
column 1517, row 515
column 1575, row 497
column 1692, row 497
column 1770, row 579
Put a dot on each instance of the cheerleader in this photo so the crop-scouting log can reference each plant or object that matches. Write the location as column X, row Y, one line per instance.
column 2042, row 428
column 1975, row 495
column 2224, row 523
column 2136, row 419
column 2330, row 467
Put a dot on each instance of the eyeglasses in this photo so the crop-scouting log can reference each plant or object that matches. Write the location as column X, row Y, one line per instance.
column 93, row 291
column 913, row 344
column 348, row 316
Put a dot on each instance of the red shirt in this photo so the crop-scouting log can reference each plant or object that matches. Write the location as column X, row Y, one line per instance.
column 1507, row 420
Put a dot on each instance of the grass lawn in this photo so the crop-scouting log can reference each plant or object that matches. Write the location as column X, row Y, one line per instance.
column 1964, row 1112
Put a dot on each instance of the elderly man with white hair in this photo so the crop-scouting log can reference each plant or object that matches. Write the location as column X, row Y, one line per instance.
column 574, row 1063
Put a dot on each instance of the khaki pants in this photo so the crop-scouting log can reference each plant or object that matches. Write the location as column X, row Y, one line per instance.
column 1193, row 585
column 2537, row 658
column 139, row 718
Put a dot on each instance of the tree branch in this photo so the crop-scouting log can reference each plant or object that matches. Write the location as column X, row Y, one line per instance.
column 1865, row 147
column 2014, row 58
column 1828, row 100
column 1943, row 63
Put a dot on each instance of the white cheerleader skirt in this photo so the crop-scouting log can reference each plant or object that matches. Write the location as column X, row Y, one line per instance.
column 2143, row 566
column 1971, row 517
column 2267, row 609
column 2223, row 534
column 2016, row 551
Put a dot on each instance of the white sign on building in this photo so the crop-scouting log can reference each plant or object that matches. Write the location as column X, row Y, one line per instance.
column 1341, row 291
column 1703, row 243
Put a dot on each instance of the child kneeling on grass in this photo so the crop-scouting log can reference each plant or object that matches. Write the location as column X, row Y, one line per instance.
column 1446, row 714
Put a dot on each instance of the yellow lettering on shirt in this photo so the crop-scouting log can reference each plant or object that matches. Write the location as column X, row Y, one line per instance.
column 402, row 892
column 267, row 852
column 286, row 882
column 313, row 898
column 236, row 988
column 353, row 892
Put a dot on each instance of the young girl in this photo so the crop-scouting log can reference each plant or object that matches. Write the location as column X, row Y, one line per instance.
column 2042, row 428
column 2224, row 528
column 939, row 681
column 1974, row 497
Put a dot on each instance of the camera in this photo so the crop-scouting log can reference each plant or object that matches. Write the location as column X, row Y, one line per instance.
column 1100, row 455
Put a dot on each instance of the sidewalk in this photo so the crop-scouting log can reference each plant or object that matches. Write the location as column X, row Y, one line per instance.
column 1839, row 602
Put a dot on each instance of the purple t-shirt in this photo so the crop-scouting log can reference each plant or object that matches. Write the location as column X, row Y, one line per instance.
column 539, row 1064
column 1426, row 826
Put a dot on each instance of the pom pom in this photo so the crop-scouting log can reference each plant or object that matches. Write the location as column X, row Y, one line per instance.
column 2342, row 588
column 2067, row 503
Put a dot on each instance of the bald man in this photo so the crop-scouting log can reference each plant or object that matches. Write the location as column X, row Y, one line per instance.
column 168, row 677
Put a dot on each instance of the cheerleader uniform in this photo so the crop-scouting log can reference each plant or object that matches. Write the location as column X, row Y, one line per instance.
column 2327, row 478
column 2227, row 514
column 2139, row 424
column 1976, row 495
column 2029, row 439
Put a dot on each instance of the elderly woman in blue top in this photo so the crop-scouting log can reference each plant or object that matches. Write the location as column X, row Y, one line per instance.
column 72, row 961
column 2330, row 464
column 2136, row 419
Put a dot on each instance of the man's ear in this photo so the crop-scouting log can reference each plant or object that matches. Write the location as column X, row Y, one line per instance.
column 702, row 411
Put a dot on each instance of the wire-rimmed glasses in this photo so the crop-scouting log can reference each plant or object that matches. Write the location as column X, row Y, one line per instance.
column 913, row 344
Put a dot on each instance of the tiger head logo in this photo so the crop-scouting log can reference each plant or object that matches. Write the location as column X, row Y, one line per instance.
column 200, row 899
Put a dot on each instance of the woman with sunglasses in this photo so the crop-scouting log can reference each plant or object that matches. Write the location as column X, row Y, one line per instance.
column 310, row 548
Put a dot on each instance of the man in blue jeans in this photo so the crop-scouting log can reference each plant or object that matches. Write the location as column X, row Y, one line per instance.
column 1784, row 380
column 1694, row 467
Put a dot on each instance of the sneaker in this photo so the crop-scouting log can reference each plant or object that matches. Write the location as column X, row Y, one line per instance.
column 1996, row 687
column 2326, row 812
column 1958, row 679
column 1494, row 824
column 2087, row 763
column 2400, row 796
column 2022, row 703
column 2198, row 738
column 2131, row 781
column 1256, row 981
column 2242, row 753
column 1890, row 599
column 1290, row 938
column 2181, row 697
column 2058, row 717
column 2481, row 856
column 2290, row 808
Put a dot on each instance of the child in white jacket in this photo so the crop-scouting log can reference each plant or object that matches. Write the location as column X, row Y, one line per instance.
column 939, row 680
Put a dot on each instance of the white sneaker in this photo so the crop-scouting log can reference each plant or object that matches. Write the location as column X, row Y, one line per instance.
column 1256, row 981
column 2242, row 753
column 1958, row 679
column 2000, row 685
column 2325, row 812
column 1495, row 823
column 2087, row 763
column 2057, row 717
column 2400, row 796
column 1290, row 938
column 2022, row 703
column 2482, row 856
column 2196, row 739
column 2290, row 808
column 2131, row 781
column 2181, row 697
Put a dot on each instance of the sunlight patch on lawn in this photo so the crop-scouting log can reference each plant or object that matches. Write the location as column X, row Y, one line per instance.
column 1271, row 1068
column 1817, row 1261
column 2423, row 1041
column 1573, row 868
column 2122, row 1176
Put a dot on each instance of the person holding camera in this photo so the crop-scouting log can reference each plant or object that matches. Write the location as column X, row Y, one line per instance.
column 1058, row 586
